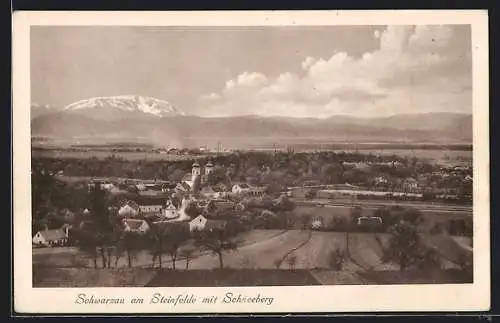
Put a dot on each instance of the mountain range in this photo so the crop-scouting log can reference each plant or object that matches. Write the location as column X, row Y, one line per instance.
column 159, row 122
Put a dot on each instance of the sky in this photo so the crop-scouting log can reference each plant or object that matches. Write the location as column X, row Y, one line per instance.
column 314, row 71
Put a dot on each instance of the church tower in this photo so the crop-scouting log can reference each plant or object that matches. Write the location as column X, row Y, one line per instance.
column 209, row 168
column 195, row 172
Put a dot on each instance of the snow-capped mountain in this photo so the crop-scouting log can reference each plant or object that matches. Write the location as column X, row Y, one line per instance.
column 39, row 109
column 112, row 106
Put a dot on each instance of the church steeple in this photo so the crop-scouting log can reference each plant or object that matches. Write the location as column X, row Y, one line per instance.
column 195, row 171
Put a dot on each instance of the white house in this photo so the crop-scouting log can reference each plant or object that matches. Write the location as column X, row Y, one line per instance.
column 50, row 238
column 128, row 210
column 170, row 211
column 240, row 188
column 150, row 208
column 198, row 223
column 257, row 190
column 316, row 224
column 133, row 225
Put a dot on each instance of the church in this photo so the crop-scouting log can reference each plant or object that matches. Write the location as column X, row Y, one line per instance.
column 197, row 174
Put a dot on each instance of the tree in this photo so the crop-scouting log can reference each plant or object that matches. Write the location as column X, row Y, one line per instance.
column 192, row 210
column 157, row 242
column 277, row 263
column 292, row 261
column 87, row 243
column 404, row 245
column 175, row 238
column 356, row 212
column 104, row 225
column 130, row 243
column 333, row 173
column 305, row 219
column 336, row 259
column 274, row 189
column 311, row 194
column 217, row 241
column 186, row 252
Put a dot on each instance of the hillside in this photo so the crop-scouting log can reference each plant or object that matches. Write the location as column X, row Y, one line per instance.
column 160, row 122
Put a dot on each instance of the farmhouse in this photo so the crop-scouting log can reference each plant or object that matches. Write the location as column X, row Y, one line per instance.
column 257, row 190
column 50, row 238
column 133, row 225
column 170, row 211
column 129, row 209
column 240, row 188
column 200, row 223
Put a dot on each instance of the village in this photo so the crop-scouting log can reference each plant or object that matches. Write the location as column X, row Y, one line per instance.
column 166, row 202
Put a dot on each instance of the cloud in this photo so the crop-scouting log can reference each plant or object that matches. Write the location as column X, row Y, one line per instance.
column 414, row 69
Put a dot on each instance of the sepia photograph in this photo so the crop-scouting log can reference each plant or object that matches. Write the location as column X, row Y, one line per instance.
column 239, row 156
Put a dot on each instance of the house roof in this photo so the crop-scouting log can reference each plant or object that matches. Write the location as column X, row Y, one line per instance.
column 219, row 203
column 207, row 189
column 134, row 224
column 185, row 185
column 145, row 206
column 243, row 185
column 52, row 235
column 150, row 200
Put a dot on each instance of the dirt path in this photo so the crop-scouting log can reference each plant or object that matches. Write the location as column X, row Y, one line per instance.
column 296, row 248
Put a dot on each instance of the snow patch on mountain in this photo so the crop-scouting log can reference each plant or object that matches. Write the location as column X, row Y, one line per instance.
column 128, row 103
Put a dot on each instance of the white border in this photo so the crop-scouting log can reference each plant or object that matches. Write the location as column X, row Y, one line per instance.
column 460, row 297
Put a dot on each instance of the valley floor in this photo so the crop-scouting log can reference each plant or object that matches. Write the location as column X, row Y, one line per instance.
column 261, row 253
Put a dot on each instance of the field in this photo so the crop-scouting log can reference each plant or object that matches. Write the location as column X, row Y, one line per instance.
column 260, row 250
column 100, row 154
column 431, row 217
column 72, row 257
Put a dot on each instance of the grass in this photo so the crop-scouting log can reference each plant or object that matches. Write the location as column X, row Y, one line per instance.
column 260, row 255
column 89, row 277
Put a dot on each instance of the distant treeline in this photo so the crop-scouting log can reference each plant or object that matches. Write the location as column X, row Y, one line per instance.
column 115, row 145
column 366, row 146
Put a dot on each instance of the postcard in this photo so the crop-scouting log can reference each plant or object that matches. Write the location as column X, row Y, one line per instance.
column 250, row 162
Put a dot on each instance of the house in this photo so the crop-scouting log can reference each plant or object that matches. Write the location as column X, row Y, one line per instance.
column 129, row 209
column 240, row 188
column 410, row 185
column 184, row 186
column 151, row 208
column 198, row 223
column 108, row 186
column 170, row 211
column 219, row 205
column 380, row 180
column 316, row 224
column 135, row 225
column 50, row 238
column 257, row 190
